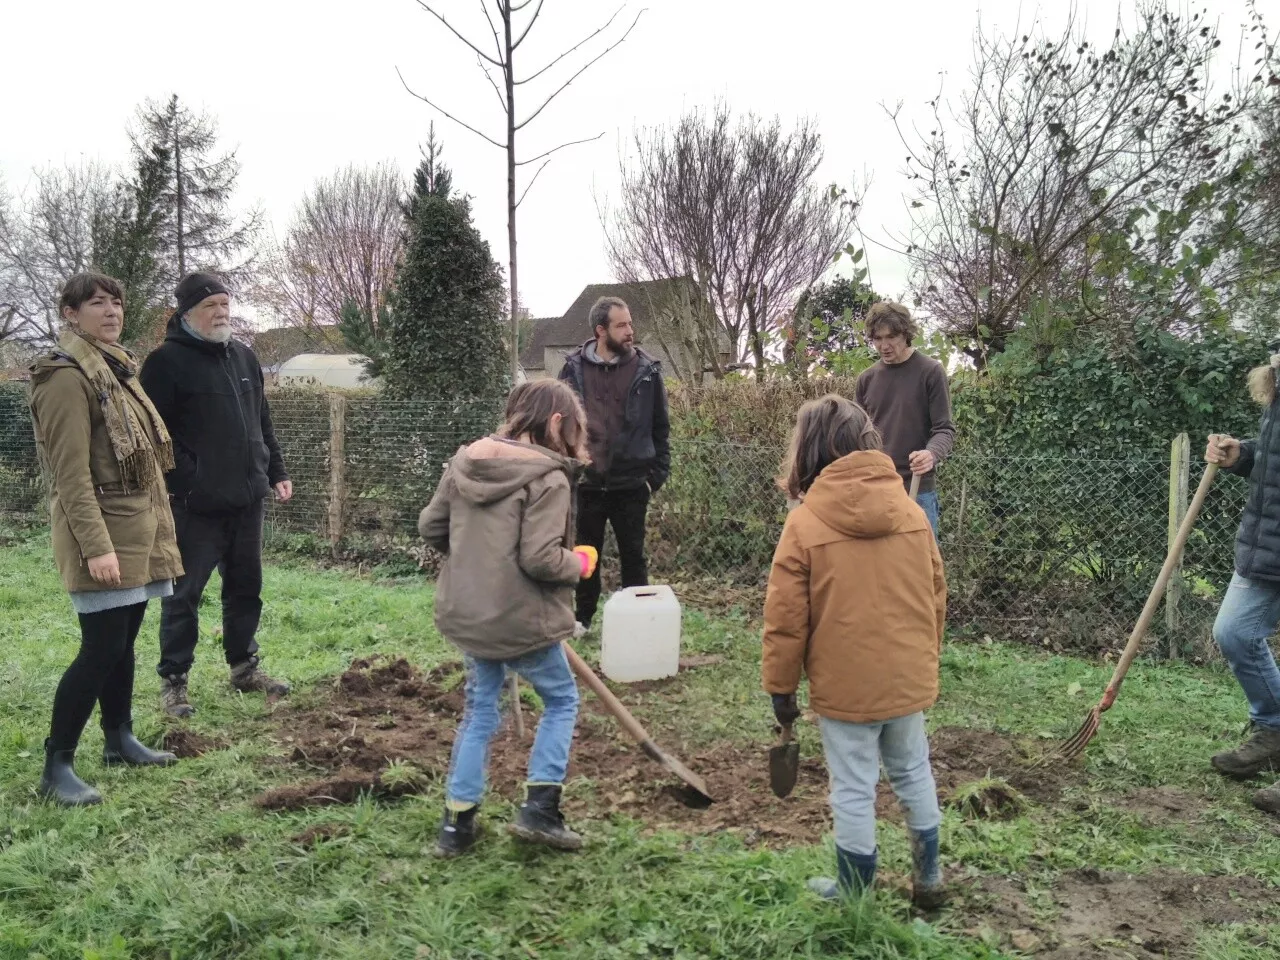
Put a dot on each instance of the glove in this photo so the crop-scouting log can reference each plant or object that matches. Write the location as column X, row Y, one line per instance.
column 785, row 708
column 588, row 557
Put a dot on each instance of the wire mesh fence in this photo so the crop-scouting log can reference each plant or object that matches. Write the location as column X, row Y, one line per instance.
column 1059, row 552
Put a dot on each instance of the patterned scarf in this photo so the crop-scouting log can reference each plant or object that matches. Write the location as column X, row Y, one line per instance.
column 111, row 370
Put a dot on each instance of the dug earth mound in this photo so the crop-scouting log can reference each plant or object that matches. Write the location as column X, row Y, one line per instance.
column 386, row 729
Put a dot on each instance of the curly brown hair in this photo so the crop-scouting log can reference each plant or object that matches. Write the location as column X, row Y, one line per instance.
column 893, row 319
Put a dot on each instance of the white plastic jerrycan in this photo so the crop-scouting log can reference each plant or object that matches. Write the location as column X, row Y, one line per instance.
column 640, row 638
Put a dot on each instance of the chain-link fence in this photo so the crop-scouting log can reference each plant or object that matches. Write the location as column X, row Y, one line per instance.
column 1059, row 552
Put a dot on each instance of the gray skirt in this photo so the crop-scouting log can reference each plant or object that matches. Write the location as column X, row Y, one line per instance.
column 95, row 601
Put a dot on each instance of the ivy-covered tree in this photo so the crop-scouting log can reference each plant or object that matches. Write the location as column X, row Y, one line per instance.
column 447, row 323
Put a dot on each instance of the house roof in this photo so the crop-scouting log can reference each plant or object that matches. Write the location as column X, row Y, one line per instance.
column 278, row 344
column 572, row 329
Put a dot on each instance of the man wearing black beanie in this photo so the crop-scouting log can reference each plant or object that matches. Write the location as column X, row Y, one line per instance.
column 208, row 389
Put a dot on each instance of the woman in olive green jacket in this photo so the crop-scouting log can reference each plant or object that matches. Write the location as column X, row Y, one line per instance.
column 104, row 450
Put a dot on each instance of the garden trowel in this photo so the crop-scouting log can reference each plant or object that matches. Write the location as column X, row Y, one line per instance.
column 784, row 763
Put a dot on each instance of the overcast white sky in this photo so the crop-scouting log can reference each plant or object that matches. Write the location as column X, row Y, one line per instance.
column 301, row 88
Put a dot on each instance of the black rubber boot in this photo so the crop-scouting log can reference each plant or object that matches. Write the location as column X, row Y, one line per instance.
column 540, row 820
column 123, row 747
column 927, row 889
column 458, row 832
column 59, row 782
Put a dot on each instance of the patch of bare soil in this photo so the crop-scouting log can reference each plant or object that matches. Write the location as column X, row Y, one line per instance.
column 1161, row 804
column 384, row 712
column 1089, row 914
column 185, row 744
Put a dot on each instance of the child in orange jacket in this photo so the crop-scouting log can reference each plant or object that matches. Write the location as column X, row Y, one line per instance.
column 857, row 601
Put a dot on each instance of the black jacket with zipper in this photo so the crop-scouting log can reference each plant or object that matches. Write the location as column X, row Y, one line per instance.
column 211, row 398
column 642, row 450
column 1258, row 539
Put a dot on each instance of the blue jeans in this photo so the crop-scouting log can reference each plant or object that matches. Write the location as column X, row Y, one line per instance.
column 854, row 752
column 548, row 673
column 929, row 503
column 1247, row 619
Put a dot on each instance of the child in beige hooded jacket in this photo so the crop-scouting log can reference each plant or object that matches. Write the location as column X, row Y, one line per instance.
column 503, row 518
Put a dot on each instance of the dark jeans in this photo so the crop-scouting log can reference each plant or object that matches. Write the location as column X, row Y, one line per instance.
column 233, row 544
column 625, row 511
column 101, row 673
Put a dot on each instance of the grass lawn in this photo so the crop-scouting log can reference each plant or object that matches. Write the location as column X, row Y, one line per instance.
column 1141, row 852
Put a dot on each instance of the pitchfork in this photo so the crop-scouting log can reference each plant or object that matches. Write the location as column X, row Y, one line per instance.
column 1089, row 729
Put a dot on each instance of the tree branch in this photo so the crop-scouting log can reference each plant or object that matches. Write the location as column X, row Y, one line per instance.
column 497, row 43
column 545, row 103
column 571, row 143
column 531, row 182
column 483, row 69
column 449, row 26
column 535, row 76
column 461, row 123
column 529, row 26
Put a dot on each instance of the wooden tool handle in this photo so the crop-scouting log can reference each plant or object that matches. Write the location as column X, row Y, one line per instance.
column 1157, row 592
column 588, row 676
column 915, row 486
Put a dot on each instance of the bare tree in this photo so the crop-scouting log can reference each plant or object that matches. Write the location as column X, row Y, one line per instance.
column 736, row 208
column 1057, row 145
column 200, row 231
column 49, row 237
column 343, row 245
column 507, row 38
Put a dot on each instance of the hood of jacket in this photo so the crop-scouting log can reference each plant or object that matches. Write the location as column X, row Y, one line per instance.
column 492, row 469
column 587, row 354
column 861, row 496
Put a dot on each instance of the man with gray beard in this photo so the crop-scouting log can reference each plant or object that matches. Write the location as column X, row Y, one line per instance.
column 208, row 389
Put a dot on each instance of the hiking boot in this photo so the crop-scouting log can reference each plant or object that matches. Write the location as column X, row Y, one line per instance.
column 248, row 677
column 579, row 630
column 1268, row 800
column 540, row 820
column 1259, row 754
column 59, row 782
column 927, row 890
column 123, row 747
column 173, row 696
column 458, row 831
column 856, row 875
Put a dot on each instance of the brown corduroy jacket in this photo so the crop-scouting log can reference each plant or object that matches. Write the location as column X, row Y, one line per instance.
column 857, row 598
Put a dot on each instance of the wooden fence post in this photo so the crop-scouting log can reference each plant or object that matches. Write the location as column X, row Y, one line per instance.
column 337, row 468
column 1179, row 482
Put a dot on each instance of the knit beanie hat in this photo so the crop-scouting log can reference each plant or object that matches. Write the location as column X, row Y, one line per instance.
column 195, row 287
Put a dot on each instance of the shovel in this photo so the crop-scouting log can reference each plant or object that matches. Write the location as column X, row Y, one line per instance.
column 784, row 763
column 915, row 487
column 695, row 793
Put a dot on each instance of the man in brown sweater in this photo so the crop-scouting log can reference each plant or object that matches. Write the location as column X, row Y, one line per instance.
column 906, row 395
column 627, row 436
